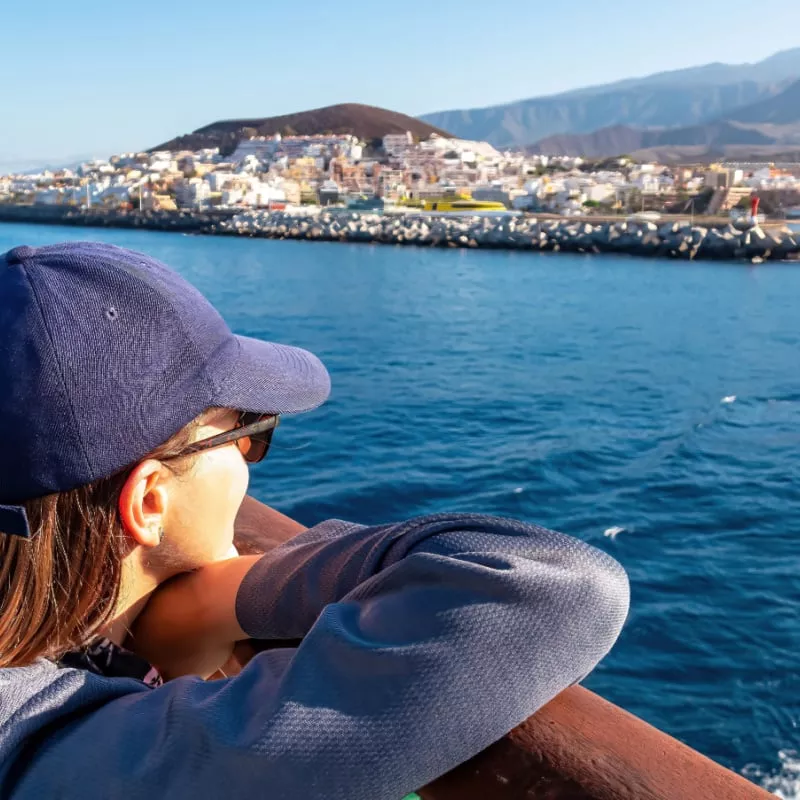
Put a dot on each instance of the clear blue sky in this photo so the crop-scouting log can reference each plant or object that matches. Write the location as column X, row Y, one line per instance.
column 94, row 78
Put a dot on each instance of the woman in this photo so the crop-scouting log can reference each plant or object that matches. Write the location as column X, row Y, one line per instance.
column 129, row 412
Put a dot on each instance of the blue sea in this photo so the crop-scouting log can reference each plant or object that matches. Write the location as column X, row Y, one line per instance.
column 651, row 408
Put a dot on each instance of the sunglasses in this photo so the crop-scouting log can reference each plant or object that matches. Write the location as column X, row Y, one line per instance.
column 252, row 435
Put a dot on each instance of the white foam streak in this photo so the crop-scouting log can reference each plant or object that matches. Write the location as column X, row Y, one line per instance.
column 785, row 783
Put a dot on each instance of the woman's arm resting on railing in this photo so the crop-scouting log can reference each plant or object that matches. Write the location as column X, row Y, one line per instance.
column 578, row 747
column 424, row 642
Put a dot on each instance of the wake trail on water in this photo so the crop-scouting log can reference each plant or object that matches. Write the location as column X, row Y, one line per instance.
column 785, row 782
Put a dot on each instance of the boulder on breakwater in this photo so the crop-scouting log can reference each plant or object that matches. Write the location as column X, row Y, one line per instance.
column 642, row 238
column 185, row 221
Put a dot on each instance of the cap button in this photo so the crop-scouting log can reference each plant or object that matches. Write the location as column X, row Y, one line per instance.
column 18, row 254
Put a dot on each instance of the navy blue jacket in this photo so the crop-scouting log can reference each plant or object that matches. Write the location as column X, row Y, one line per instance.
column 423, row 643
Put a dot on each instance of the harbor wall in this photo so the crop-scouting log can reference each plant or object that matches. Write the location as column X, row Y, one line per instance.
column 184, row 221
column 678, row 239
column 674, row 239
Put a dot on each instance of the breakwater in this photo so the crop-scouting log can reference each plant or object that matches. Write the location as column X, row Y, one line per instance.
column 673, row 239
column 183, row 221
column 676, row 239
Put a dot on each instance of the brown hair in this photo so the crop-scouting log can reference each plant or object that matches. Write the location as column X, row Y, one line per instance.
column 58, row 588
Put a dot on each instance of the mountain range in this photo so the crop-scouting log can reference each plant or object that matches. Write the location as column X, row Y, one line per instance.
column 715, row 109
column 769, row 127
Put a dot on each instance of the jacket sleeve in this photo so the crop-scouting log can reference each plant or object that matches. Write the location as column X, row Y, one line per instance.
column 425, row 642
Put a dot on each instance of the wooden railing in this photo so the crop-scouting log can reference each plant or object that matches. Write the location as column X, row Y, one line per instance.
column 581, row 747
column 578, row 747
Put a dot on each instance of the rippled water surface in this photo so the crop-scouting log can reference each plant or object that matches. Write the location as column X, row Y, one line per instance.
column 651, row 408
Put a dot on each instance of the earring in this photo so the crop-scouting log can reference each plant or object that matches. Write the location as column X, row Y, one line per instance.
column 160, row 535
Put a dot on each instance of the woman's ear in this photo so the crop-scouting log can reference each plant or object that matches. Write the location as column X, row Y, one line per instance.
column 143, row 503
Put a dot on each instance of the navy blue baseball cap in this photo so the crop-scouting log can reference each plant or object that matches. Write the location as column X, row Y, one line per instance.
column 105, row 353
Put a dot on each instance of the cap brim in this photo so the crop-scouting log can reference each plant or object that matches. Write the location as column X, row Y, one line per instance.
column 269, row 378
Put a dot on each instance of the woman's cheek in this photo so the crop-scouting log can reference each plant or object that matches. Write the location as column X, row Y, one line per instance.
column 228, row 488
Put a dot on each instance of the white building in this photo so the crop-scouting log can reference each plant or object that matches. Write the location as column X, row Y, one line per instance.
column 230, row 197
column 192, row 193
column 648, row 184
column 159, row 165
column 266, row 194
column 218, row 180
column 600, row 193
column 396, row 144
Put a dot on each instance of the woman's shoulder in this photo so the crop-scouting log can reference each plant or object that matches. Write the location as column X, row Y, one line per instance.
column 19, row 686
column 37, row 696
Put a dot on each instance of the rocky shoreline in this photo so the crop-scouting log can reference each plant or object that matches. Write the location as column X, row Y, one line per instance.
column 179, row 221
column 679, row 239
column 641, row 238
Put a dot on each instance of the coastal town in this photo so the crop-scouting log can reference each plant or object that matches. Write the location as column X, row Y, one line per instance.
column 399, row 171
column 436, row 191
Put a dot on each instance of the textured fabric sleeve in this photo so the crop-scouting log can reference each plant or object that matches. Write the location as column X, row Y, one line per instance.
column 424, row 643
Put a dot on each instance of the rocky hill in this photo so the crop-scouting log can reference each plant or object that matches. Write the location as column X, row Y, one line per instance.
column 680, row 98
column 366, row 122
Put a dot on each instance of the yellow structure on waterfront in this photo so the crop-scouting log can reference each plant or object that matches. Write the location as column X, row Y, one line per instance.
column 460, row 204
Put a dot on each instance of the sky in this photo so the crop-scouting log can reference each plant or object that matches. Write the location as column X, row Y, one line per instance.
column 88, row 79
